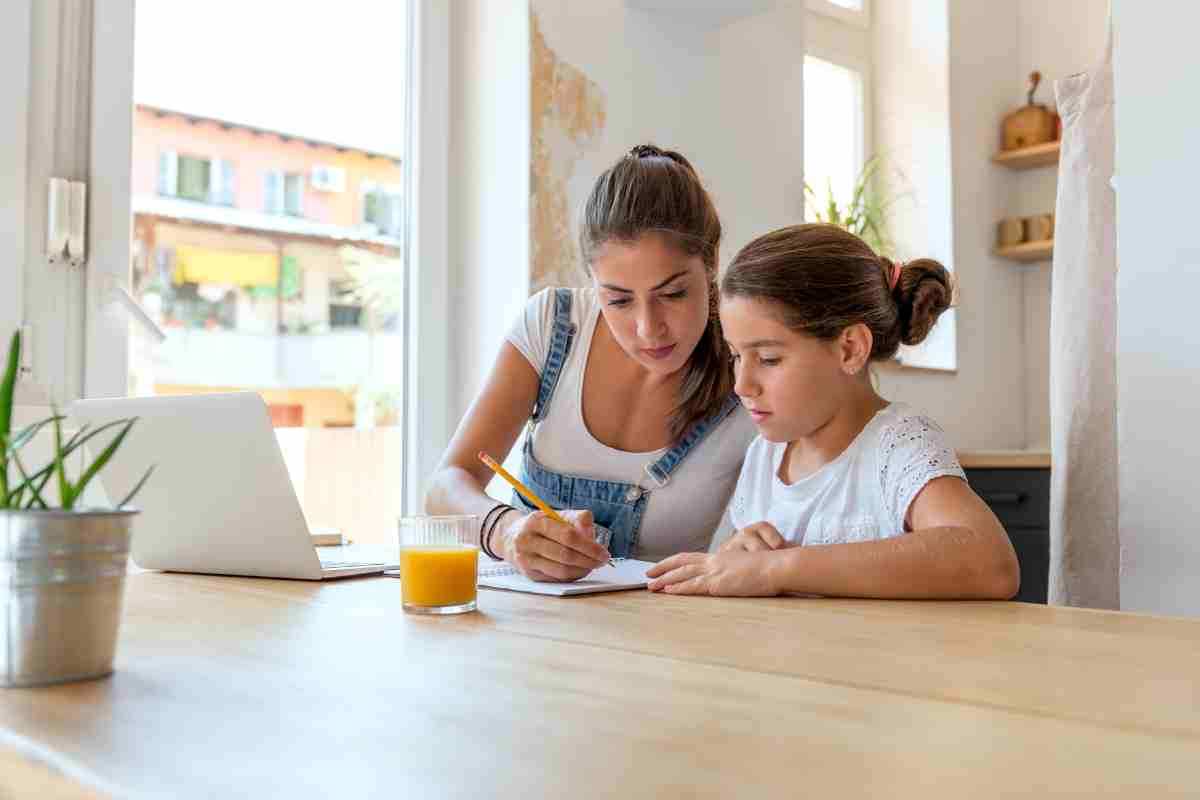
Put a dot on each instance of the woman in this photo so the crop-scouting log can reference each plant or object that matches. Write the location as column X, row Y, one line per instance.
column 635, row 430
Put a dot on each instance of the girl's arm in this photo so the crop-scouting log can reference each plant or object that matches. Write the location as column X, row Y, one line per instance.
column 957, row 549
column 542, row 548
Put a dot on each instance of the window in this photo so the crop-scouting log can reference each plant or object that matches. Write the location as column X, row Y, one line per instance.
column 290, row 296
column 383, row 207
column 293, row 195
column 836, row 110
column 203, row 180
column 273, row 326
column 833, row 134
column 194, row 178
column 285, row 193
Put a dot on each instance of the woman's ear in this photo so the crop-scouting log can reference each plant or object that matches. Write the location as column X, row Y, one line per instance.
column 854, row 347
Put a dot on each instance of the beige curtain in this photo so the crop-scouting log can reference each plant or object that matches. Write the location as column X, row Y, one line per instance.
column 1084, row 542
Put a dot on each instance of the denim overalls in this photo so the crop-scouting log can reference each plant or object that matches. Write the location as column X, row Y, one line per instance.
column 619, row 507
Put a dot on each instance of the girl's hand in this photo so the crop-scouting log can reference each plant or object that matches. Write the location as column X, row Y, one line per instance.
column 732, row 573
column 545, row 550
column 754, row 538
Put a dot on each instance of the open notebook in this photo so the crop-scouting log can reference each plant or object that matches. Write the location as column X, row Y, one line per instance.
column 626, row 573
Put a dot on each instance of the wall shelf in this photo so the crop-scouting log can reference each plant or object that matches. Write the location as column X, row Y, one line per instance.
column 1038, row 155
column 1029, row 251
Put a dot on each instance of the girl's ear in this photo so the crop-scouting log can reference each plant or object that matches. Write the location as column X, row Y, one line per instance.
column 854, row 345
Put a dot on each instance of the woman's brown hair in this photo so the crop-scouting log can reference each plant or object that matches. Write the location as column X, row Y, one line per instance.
column 821, row 279
column 650, row 190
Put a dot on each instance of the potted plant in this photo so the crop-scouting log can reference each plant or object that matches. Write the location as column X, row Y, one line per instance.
column 865, row 214
column 62, row 566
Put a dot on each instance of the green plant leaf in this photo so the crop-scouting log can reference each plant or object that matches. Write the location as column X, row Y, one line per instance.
column 133, row 492
column 80, row 439
column 99, row 463
column 28, row 432
column 27, row 483
column 72, row 442
column 38, row 480
column 60, row 468
column 7, row 387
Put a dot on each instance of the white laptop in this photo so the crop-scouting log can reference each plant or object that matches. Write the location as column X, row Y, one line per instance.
column 220, row 500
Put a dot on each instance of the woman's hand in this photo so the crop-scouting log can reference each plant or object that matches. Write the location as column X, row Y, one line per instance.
column 754, row 538
column 545, row 550
column 729, row 573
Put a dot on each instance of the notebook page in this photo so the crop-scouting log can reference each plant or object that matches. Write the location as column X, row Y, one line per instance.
column 624, row 574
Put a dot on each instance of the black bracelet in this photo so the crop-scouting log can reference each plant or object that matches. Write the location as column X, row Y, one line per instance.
column 483, row 528
column 496, row 521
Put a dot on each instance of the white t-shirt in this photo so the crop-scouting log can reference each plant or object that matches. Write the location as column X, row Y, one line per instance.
column 861, row 495
column 683, row 515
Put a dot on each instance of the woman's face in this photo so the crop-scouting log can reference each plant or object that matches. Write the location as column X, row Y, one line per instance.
column 654, row 298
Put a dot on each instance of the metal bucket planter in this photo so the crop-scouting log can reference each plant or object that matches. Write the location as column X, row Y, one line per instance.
column 62, row 584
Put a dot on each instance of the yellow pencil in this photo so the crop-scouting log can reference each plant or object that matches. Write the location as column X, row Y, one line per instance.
column 523, row 489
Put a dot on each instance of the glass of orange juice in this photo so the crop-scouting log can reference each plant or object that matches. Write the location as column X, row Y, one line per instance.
column 438, row 564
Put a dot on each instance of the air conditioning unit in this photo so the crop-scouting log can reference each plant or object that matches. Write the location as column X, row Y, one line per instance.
column 328, row 179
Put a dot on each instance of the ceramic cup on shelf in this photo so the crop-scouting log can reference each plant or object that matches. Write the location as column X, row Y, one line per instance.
column 1039, row 228
column 1010, row 232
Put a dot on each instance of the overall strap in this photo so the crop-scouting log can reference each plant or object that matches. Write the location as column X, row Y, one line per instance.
column 561, row 339
column 660, row 471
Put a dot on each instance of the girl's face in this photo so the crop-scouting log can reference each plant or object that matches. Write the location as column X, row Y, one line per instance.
column 791, row 383
column 654, row 298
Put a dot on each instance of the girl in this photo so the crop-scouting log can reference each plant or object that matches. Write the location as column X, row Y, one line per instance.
column 842, row 493
column 626, row 384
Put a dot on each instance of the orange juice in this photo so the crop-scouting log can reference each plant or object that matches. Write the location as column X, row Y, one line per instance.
column 438, row 575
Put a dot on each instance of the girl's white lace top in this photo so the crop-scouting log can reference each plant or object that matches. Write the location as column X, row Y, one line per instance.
column 861, row 495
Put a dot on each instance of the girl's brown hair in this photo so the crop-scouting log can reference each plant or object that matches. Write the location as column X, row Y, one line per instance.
column 658, row 191
column 821, row 279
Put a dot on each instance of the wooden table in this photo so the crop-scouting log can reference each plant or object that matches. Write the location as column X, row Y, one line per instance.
column 259, row 688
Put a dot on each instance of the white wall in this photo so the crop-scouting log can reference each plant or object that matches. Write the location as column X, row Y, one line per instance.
column 14, row 99
column 911, row 97
column 999, row 397
column 981, row 405
column 725, row 90
column 1058, row 39
column 1158, row 283
column 489, row 184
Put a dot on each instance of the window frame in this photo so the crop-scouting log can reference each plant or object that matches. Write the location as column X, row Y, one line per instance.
column 15, row 93
column 92, row 325
column 849, row 48
column 859, row 18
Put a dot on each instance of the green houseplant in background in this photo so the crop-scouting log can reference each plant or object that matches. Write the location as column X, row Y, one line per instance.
column 62, row 566
column 865, row 213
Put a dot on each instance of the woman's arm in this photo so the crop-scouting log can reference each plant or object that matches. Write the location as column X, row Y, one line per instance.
column 492, row 423
column 541, row 547
column 957, row 549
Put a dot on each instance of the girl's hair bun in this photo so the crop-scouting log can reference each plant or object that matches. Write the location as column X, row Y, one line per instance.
column 925, row 290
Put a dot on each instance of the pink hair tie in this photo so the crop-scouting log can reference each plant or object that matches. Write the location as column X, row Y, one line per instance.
column 895, row 276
